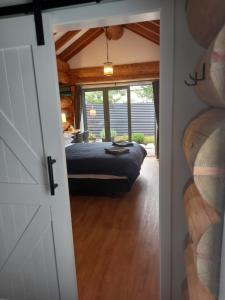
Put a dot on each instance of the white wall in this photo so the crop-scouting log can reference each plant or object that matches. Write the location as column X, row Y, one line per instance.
column 130, row 48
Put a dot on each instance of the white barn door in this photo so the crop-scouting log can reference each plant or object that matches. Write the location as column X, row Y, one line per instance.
column 36, row 247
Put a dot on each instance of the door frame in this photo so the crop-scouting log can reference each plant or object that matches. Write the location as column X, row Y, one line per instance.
column 129, row 11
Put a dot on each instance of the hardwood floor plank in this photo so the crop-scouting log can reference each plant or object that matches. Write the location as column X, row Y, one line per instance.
column 117, row 241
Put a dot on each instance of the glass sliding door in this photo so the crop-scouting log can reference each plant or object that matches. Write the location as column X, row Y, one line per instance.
column 93, row 108
column 119, row 113
column 142, row 114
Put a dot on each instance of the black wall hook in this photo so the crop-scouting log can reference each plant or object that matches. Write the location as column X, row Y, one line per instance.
column 195, row 79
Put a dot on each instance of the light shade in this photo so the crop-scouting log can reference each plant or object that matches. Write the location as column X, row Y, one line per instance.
column 63, row 117
column 108, row 68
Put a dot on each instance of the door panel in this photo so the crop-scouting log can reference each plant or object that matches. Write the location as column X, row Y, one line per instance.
column 111, row 116
column 36, row 252
column 142, row 110
column 118, row 112
column 28, row 259
column 13, row 219
column 18, row 87
column 94, row 106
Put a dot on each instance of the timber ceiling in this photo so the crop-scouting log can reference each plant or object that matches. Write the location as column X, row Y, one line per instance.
column 70, row 43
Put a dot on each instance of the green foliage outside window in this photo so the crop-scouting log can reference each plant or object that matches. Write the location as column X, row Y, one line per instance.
column 149, row 139
column 139, row 94
column 113, row 133
column 144, row 93
column 117, row 96
column 94, row 97
column 138, row 137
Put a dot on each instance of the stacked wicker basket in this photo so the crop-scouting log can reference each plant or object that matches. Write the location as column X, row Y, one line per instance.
column 204, row 148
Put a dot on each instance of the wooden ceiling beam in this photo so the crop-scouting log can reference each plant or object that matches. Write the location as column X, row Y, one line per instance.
column 81, row 43
column 156, row 23
column 146, row 70
column 65, row 38
column 63, row 71
column 62, row 66
column 151, row 27
column 134, row 27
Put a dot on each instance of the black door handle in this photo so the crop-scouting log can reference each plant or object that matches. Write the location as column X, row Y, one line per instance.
column 53, row 185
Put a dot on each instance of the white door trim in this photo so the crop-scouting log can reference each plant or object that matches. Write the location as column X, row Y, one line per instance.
column 117, row 12
column 166, row 147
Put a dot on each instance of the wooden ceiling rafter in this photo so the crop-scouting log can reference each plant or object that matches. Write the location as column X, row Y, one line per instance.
column 78, row 45
column 151, row 27
column 144, row 32
column 65, row 39
column 149, row 30
column 156, row 22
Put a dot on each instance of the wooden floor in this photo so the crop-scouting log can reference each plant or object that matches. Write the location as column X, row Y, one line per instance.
column 117, row 242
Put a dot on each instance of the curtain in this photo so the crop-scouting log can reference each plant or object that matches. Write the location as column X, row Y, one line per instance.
column 155, row 86
column 78, row 106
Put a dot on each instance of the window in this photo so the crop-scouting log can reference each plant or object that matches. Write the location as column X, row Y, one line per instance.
column 120, row 113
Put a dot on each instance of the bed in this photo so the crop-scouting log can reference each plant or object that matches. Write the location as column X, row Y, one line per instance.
column 91, row 169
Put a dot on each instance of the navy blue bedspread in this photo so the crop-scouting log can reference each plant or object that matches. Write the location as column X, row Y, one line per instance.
column 87, row 158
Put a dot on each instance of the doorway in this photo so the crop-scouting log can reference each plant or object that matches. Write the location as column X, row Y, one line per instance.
column 166, row 92
column 116, row 113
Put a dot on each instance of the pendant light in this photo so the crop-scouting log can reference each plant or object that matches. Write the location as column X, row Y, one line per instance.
column 108, row 67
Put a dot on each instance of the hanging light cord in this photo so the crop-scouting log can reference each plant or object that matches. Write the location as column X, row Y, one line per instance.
column 107, row 46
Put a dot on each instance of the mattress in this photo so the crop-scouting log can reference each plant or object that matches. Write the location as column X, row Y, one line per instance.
column 88, row 163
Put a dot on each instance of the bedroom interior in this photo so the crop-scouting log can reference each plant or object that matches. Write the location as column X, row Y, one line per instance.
column 37, row 250
column 119, row 110
column 179, row 103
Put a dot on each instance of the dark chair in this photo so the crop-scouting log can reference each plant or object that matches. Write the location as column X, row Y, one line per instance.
column 78, row 137
column 85, row 136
